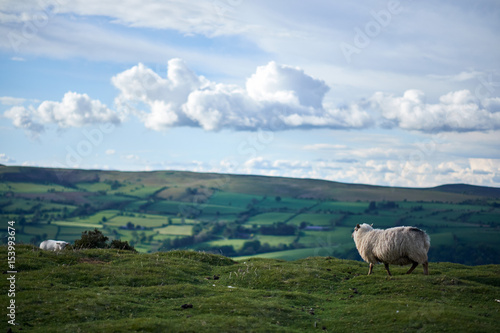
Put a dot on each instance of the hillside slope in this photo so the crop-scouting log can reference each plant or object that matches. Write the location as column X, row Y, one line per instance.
column 249, row 184
column 243, row 215
column 181, row 291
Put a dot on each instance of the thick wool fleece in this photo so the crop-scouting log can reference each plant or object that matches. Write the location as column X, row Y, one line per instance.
column 397, row 246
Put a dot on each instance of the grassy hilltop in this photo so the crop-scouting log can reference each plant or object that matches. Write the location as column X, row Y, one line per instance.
column 243, row 215
column 187, row 291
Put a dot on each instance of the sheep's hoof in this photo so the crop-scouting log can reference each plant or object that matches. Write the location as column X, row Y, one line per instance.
column 426, row 268
column 415, row 264
column 387, row 269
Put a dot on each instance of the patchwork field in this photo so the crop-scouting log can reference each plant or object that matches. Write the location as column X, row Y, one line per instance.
column 244, row 215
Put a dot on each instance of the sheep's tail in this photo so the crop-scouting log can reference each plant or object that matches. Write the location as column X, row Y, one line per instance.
column 425, row 237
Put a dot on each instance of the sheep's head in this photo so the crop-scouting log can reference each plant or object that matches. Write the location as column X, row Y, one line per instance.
column 362, row 227
column 61, row 245
column 356, row 228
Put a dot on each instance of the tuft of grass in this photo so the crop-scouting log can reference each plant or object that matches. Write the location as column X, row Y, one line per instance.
column 109, row 290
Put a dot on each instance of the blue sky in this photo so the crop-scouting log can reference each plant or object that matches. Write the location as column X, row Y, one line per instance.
column 398, row 93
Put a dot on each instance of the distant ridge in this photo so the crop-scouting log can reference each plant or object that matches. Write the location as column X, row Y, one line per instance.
column 468, row 190
column 302, row 188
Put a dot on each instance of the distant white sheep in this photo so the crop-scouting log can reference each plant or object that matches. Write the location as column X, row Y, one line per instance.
column 53, row 245
column 397, row 246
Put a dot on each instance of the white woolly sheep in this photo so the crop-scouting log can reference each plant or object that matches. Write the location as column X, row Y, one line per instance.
column 53, row 245
column 397, row 246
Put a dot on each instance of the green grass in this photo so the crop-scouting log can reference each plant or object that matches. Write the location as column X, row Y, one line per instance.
column 268, row 218
column 379, row 221
column 167, row 207
column 94, row 187
column 338, row 235
column 276, row 240
column 337, row 206
column 432, row 222
column 485, row 217
column 95, row 218
column 315, row 219
column 135, row 206
column 128, row 235
column 72, row 233
column 220, row 210
column 40, row 229
column 145, row 220
column 484, row 235
column 109, row 198
column 138, row 190
column 110, row 291
column 22, row 204
column 181, row 230
column 236, row 243
column 238, row 200
column 441, row 238
column 291, row 204
column 89, row 226
column 22, row 187
column 290, row 255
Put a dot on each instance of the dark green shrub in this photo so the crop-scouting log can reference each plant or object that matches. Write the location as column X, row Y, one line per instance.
column 92, row 240
column 121, row 245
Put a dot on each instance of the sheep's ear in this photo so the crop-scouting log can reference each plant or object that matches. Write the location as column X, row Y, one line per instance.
column 358, row 226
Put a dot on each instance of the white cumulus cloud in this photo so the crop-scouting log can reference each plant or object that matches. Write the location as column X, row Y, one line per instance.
column 75, row 110
column 285, row 84
column 457, row 111
column 276, row 97
column 23, row 118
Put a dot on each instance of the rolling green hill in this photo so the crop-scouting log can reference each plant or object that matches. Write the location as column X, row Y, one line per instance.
column 244, row 215
column 188, row 291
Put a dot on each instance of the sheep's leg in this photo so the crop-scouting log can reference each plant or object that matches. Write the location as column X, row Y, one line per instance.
column 415, row 264
column 370, row 270
column 426, row 268
column 387, row 269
